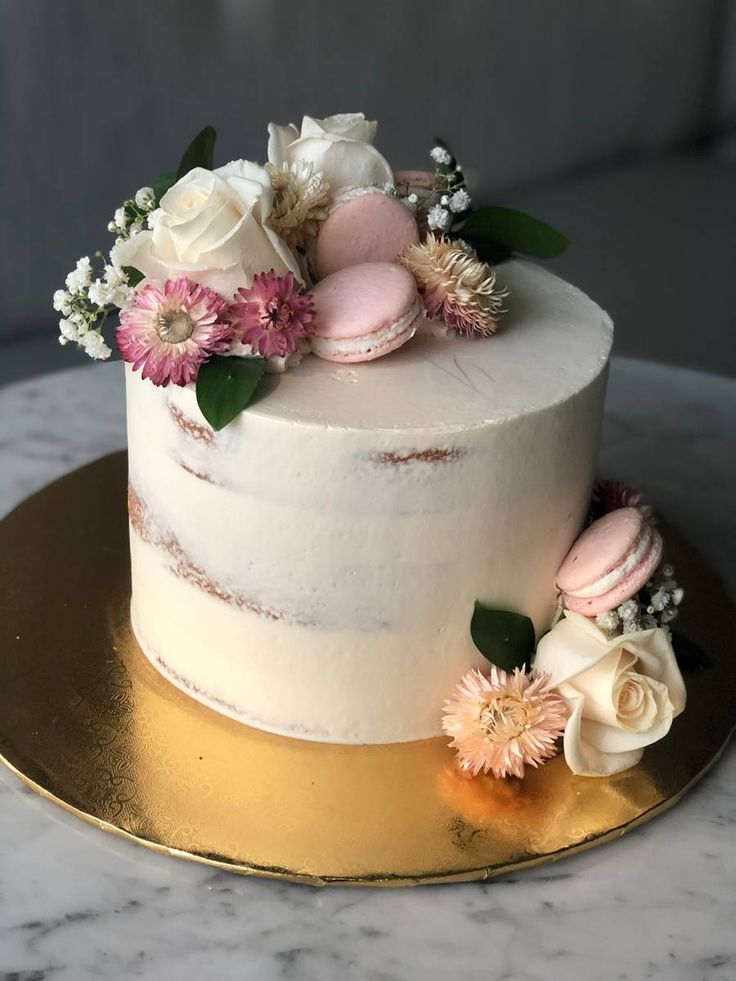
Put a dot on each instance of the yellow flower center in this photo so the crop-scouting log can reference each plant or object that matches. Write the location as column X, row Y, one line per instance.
column 505, row 717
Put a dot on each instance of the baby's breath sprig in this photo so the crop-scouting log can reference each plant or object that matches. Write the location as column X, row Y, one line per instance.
column 451, row 198
column 133, row 215
column 655, row 605
column 86, row 303
column 91, row 296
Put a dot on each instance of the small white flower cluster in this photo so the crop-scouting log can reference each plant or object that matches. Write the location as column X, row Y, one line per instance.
column 134, row 214
column 655, row 605
column 456, row 200
column 440, row 155
column 438, row 218
column 86, row 303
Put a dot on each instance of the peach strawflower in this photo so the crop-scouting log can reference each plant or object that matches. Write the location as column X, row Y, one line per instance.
column 500, row 723
column 456, row 287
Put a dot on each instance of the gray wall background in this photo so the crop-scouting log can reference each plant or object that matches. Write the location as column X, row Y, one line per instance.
column 614, row 119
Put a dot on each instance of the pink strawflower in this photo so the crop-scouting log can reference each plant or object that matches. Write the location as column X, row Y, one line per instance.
column 503, row 722
column 170, row 332
column 610, row 495
column 272, row 314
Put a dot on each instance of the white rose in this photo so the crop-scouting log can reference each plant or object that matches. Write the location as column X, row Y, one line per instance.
column 338, row 146
column 622, row 693
column 211, row 227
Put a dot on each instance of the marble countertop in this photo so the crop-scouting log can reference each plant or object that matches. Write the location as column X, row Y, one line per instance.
column 77, row 904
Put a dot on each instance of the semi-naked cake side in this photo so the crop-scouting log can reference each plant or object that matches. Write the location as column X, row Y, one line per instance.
column 312, row 568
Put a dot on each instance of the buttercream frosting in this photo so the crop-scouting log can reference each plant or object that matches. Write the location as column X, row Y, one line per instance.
column 311, row 569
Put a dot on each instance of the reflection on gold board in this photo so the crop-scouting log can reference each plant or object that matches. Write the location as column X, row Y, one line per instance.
column 86, row 721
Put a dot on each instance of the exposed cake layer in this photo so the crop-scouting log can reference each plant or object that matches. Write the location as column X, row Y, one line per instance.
column 312, row 568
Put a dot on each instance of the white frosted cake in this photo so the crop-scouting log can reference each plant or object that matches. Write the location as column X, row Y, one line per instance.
column 311, row 569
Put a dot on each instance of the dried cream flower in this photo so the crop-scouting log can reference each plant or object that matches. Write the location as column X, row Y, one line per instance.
column 301, row 200
column 503, row 722
column 456, row 287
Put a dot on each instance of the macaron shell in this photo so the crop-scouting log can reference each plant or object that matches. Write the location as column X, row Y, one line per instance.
column 374, row 352
column 359, row 304
column 593, row 605
column 374, row 227
column 601, row 549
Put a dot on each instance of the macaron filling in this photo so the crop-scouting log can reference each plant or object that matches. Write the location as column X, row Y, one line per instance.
column 628, row 564
column 352, row 193
column 369, row 342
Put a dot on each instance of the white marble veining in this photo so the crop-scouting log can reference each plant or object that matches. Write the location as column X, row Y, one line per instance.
column 77, row 905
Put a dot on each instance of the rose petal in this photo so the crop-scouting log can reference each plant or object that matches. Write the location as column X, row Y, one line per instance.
column 199, row 183
column 345, row 125
column 343, row 162
column 279, row 139
column 212, row 226
column 657, row 705
column 609, row 739
column 581, row 755
column 598, row 685
column 656, row 660
column 573, row 645
column 251, row 185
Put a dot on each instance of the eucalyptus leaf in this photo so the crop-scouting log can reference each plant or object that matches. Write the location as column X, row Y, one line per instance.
column 505, row 639
column 134, row 275
column 225, row 386
column 199, row 153
column 514, row 231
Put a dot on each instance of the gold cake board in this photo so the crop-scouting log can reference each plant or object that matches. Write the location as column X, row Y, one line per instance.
column 87, row 722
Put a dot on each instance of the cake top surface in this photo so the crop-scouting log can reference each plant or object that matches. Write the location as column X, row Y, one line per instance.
column 554, row 342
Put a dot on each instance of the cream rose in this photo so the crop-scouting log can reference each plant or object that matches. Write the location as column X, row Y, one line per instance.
column 338, row 146
column 211, row 226
column 622, row 693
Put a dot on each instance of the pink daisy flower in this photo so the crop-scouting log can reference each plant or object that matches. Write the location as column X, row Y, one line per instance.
column 170, row 332
column 504, row 722
column 272, row 314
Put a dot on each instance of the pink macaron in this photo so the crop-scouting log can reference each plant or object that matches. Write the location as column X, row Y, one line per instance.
column 611, row 560
column 365, row 224
column 364, row 311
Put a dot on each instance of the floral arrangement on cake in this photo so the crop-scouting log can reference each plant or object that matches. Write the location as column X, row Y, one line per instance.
column 220, row 275
column 604, row 680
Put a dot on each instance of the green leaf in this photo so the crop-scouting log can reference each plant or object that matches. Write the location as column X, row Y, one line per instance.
column 515, row 231
column 506, row 639
column 161, row 186
column 134, row 275
column 489, row 251
column 225, row 386
column 199, row 153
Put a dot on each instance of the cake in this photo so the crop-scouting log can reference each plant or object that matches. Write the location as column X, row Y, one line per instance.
column 325, row 549
column 353, row 483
